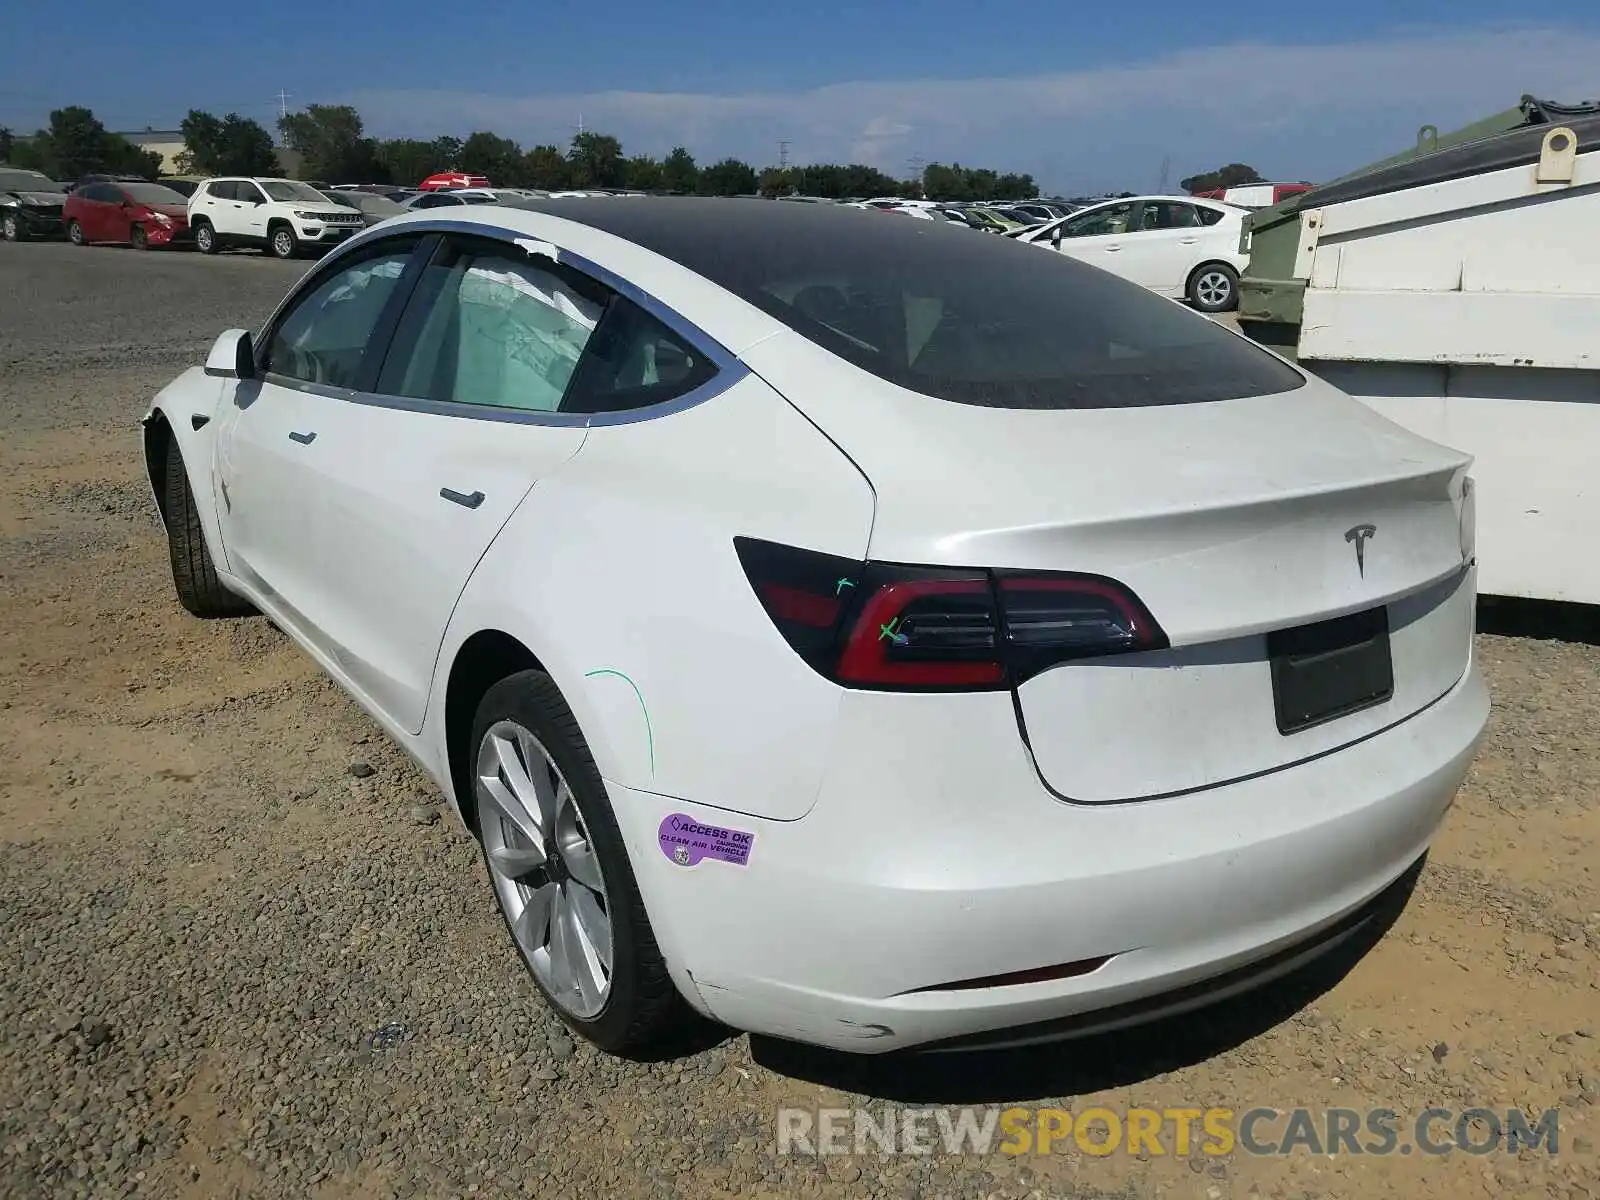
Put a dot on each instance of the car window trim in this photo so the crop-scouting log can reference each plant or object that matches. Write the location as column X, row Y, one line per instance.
column 730, row 370
column 329, row 266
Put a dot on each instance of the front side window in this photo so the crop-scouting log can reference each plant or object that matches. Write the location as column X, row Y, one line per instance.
column 323, row 337
column 1113, row 218
column 248, row 192
column 487, row 326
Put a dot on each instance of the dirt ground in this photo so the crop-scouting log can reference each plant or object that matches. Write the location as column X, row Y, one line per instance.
column 209, row 906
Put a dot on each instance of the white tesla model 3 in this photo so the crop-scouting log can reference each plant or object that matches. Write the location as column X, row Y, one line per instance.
column 853, row 630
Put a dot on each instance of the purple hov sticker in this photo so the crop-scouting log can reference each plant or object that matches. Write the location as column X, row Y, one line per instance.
column 686, row 841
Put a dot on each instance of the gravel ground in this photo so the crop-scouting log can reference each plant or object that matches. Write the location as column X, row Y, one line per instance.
column 247, row 956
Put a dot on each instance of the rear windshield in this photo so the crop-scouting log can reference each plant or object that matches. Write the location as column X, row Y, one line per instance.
column 955, row 315
column 996, row 323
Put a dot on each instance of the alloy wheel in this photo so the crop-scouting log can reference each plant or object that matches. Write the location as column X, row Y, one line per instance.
column 202, row 238
column 547, row 876
column 75, row 233
column 11, row 228
column 1214, row 289
column 283, row 243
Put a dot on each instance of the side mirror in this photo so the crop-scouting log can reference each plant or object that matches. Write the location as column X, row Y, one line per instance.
column 232, row 356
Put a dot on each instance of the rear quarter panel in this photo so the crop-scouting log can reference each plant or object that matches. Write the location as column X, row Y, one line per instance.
column 619, row 573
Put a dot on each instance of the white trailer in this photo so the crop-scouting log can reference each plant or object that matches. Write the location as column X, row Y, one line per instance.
column 1466, row 307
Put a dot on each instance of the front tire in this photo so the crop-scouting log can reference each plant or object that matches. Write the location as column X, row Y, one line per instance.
column 194, row 575
column 205, row 238
column 139, row 238
column 75, row 234
column 1214, row 288
column 561, row 873
column 13, row 228
column 282, row 243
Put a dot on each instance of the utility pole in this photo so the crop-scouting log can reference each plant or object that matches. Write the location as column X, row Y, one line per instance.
column 915, row 165
column 283, row 104
column 580, row 124
column 783, row 154
column 1166, row 168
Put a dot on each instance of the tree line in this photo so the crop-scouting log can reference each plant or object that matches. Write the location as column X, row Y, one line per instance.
column 333, row 147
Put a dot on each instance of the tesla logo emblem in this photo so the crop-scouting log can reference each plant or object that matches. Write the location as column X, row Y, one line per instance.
column 1359, row 535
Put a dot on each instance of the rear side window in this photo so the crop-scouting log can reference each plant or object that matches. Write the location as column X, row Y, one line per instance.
column 985, row 321
column 1208, row 216
column 634, row 361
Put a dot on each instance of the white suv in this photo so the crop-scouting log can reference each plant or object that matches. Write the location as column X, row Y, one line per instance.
column 279, row 215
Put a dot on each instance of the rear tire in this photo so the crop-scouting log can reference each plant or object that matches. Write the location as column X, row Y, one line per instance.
column 640, row 1009
column 194, row 575
column 139, row 238
column 205, row 237
column 1214, row 288
column 75, row 234
column 282, row 243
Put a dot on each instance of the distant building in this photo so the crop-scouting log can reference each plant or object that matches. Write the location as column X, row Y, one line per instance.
column 168, row 143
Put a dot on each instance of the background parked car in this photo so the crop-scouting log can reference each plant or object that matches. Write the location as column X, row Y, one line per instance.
column 372, row 207
column 441, row 199
column 184, row 185
column 452, row 179
column 1177, row 246
column 1255, row 195
column 139, row 214
column 30, row 204
column 282, row 216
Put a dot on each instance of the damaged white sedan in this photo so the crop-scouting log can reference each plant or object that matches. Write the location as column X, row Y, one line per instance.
column 851, row 630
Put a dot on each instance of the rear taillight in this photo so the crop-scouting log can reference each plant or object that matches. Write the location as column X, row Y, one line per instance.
column 887, row 626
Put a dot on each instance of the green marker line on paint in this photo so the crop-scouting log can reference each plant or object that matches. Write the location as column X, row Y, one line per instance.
column 648, row 732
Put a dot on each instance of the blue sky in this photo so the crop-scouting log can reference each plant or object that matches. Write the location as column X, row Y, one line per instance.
column 1084, row 97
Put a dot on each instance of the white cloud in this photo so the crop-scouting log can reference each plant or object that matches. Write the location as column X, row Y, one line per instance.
column 1292, row 111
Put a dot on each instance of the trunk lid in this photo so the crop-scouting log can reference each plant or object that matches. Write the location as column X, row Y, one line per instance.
column 1229, row 520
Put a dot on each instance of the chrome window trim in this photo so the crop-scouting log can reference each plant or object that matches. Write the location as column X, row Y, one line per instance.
column 730, row 370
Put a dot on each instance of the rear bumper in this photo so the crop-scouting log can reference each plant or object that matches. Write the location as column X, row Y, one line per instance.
column 935, row 856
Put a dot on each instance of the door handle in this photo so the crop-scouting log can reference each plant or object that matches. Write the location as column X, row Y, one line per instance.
column 305, row 439
column 466, row 500
column 1187, row 241
column 1112, row 249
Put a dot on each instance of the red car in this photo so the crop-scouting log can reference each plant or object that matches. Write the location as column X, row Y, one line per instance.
column 138, row 214
column 449, row 180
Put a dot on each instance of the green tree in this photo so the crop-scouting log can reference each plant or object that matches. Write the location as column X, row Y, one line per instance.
column 679, row 175
column 596, row 160
column 233, row 145
column 497, row 158
column 1232, row 175
column 642, row 173
column 408, row 161
column 546, row 167
column 775, row 181
column 1015, row 187
column 940, row 182
column 447, row 153
column 730, row 177
column 331, row 143
column 7, row 141
column 76, row 143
